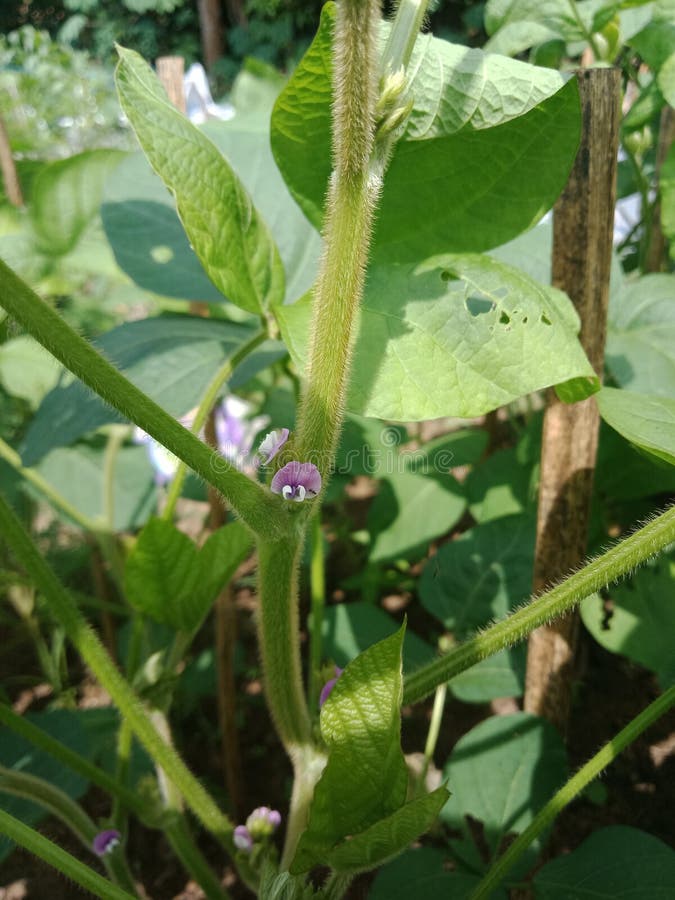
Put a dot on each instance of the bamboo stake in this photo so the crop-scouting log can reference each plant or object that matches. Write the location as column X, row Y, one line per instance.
column 582, row 252
column 170, row 71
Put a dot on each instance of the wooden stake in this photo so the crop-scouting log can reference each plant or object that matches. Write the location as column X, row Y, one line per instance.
column 583, row 226
column 211, row 30
column 170, row 71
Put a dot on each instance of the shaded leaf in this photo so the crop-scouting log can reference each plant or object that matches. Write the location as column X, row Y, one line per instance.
column 646, row 421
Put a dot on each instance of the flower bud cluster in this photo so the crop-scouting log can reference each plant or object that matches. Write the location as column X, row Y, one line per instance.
column 260, row 825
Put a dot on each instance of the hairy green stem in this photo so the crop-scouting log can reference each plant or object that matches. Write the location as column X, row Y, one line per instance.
column 317, row 590
column 51, row 798
column 52, row 854
column 353, row 194
column 194, row 863
column 205, row 406
column 432, row 734
column 621, row 559
column 94, row 654
column 605, row 756
column 308, row 764
column 404, row 31
column 279, row 639
column 262, row 511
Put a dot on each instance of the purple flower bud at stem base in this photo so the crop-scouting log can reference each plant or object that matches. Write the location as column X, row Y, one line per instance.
column 297, row 481
column 272, row 444
column 106, row 841
column 263, row 822
column 328, row 687
column 242, row 839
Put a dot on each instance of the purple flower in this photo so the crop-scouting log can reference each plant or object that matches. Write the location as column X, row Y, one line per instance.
column 242, row 839
column 328, row 687
column 106, row 841
column 296, row 481
column 235, row 433
column 272, row 444
column 263, row 822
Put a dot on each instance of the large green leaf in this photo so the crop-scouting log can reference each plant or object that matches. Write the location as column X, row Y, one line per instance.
column 641, row 621
column 646, row 421
column 500, row 486
column 502, row 675
column 486, row 151
column 615, row 863
column 411, row 510
column 66, row 196
column 641, row 336
column 169, row 579
column 170, row 358
column 483, row 574
column 150, row 244
column 423, row 872
column 358, row 817
column 457, row 336
column 228, row 234
column 501, row 773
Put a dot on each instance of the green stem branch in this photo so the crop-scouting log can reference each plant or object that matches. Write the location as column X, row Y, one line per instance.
column 572, row 789
column 634, row 550
column 72, row 868
column 94, row 654
column 263, row 512
column 317, row 589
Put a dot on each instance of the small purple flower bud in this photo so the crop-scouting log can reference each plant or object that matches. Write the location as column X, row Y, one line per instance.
column 296, row 481
column 242, row 839
column 263, row 822
column 272, row 444
column 328, row 687
column 106, row 841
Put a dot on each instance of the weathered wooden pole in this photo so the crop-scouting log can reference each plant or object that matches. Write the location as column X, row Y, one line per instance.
column 210, row 26
column 583, row 223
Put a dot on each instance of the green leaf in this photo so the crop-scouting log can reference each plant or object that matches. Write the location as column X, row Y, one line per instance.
column 358, row 817
column 641, row 336
column 666, row 80
column 422, row 872
column 77, row 474
column 458, row 336
column 365, row 778
column 615, row 863
column 27, row 370
column 483, row 574
column 18, row 753
column 389, row 836
column 509, row 129
column 502, row 675
column 500, row 486
column 350, row 628
column 66, row 196
column 624, row 473
column 501, row 773
column 170, row 358
column 228, row 234
column 646, row 421
column 640, row 622
column 149, row 242
column 410, row 510
column 169, row 579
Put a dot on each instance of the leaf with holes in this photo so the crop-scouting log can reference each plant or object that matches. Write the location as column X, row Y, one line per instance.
column 456, row 336
column 227, row 232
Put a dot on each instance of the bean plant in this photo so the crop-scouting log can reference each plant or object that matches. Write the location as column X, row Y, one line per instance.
column 411, row 157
